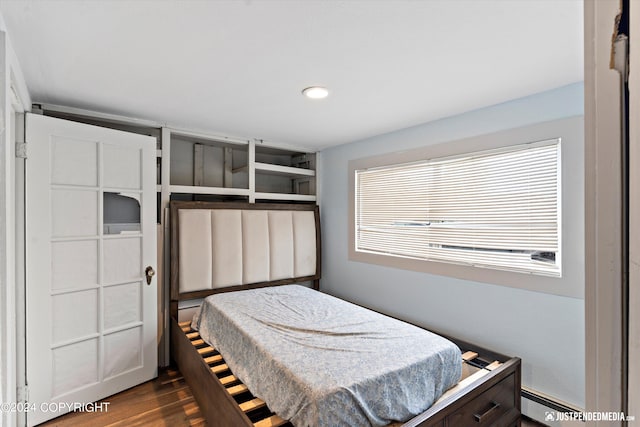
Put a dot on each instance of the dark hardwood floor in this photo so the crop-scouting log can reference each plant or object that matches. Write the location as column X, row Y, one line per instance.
column 165, row 401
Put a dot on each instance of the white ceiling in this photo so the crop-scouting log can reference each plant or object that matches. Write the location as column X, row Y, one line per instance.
column 238, row 67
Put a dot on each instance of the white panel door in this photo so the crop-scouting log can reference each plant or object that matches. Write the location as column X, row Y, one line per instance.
column 91, row 316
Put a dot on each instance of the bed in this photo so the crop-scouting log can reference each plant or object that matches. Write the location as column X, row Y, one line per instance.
column 250, row 258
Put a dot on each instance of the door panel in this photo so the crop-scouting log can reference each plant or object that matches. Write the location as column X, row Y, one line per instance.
column 74, row 213
column 121, row 167
column 74, row 162
column 74, row 264
column 91, row 317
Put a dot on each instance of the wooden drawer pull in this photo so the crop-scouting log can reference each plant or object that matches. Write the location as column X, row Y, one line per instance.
column 488, row 412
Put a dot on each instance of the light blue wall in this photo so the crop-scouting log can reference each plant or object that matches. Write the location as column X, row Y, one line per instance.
column 546, row 331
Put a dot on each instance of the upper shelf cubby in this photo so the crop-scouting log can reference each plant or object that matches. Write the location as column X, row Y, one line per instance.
column 281, row 171
column 199, row 164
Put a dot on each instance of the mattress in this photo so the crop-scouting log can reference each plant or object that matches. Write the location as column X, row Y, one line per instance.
column 317, row 360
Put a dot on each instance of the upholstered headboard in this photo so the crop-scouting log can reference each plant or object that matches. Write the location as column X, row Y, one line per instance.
column 220, row 247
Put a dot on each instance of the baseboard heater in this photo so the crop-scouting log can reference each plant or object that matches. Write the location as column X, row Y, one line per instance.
column 547, row 401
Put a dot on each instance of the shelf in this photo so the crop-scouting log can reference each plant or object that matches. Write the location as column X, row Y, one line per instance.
column 218, row 166
column 191, row 189
column 282, row 196
column 283, row 170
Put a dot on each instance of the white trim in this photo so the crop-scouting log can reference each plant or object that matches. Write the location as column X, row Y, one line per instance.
column 191, row 189
column 113, row 118
column 281, row 196
column 318, row 181
column 8, row 353
column 163, row 286
column 207, row 136
column 18, row 84
column 14, row 98
column 603, row 269
column 20, row 269
column 634, row 211
column 283, row 146
column 251, row 165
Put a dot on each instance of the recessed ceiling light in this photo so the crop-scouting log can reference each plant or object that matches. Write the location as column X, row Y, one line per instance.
column 315, row 92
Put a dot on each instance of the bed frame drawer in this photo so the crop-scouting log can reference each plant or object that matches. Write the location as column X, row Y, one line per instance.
column 496, row 407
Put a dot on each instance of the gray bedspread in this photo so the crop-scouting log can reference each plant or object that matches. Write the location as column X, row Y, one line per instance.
column 320, row 361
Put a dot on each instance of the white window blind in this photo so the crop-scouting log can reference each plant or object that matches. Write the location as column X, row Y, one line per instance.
column 495, row 209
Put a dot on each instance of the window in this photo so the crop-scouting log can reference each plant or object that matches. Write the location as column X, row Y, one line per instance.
column 497, row 209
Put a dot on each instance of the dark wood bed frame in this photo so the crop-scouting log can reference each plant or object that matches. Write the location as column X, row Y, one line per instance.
column 491, row 400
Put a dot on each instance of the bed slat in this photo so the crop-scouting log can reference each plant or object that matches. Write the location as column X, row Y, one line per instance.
column 206, row 350
column 237, row 389
column 272, row 421
column 469, row 355
column 229, row 379
column 213, row 359
column 219, row 368
column 252, row 404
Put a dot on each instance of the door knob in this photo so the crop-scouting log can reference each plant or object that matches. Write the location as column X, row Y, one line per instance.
column 149, row 273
